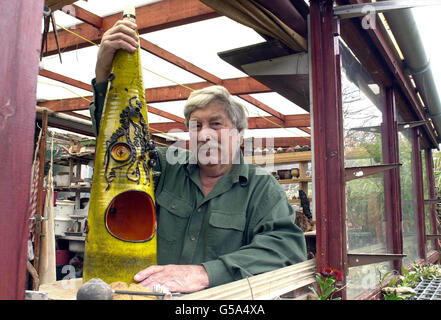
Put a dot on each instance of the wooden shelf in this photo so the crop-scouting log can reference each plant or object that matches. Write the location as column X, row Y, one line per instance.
column 296, row 180
column 298, row 200
column 83, row 159
column 73, row 188
column 310, row 233
column 281, row 158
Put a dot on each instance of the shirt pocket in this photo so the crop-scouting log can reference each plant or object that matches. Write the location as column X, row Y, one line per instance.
column 174, row 213
column 225, row 232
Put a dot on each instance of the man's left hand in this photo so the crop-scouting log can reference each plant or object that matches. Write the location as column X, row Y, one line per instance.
column 176, row 278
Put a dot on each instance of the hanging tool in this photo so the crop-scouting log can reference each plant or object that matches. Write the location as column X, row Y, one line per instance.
column 49, row 18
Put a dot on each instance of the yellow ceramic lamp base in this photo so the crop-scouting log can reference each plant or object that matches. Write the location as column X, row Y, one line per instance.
column 121, row 237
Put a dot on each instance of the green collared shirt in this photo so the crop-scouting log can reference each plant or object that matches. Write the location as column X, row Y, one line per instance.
column 243, row 227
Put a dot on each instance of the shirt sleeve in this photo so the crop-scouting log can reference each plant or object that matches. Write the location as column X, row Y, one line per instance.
column 274, row 241
column 97, row 105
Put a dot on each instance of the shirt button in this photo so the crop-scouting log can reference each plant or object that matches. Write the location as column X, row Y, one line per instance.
column 173, row 206
column 192, row 238
column 199, row 210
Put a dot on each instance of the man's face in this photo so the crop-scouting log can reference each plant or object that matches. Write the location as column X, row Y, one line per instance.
column 213, row 137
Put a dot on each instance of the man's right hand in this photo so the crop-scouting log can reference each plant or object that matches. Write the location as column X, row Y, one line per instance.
column 121, row 36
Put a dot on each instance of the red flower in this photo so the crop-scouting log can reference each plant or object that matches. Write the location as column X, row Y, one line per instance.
column 337, row 274
column 326, row 272
column 329, row 272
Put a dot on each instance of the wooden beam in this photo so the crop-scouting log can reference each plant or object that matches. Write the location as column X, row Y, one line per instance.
column 253, row 123
column 152, row 17
column 266, row 286
column 352, row 173
column 83, row 15
column 20, row 28
column 277, row 142
column 165, row 114
column 281, row 158
column 360, row 259
column 78, row 115
column 329, row 178
column 291, row 121
column 58, row 77
column 236, row 86
column 262, row 106
column 150, row 109
column 392, row 179
column 304, row 129
column 280, row 142
column 58, row 4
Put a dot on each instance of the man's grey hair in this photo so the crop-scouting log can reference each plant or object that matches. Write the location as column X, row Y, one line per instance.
column 201, row 98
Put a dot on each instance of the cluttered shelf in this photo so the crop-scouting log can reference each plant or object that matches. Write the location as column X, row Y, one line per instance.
column 84, row 158
column 294, row 180
column 280, row 158
column 73, row 188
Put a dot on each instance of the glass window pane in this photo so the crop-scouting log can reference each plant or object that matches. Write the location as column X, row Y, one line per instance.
column 362, row 120
column 362, row 113
column 409, row 226
column 366, row 223
column 427, row 209
column 365, row 277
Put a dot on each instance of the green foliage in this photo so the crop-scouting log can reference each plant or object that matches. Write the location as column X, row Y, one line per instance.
column 328, row 282
column 401, row 287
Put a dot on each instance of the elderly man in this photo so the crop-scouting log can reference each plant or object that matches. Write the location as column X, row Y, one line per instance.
column 219, row 219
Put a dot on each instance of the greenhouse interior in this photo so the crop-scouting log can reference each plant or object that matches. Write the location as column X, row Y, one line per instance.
column 337, row 195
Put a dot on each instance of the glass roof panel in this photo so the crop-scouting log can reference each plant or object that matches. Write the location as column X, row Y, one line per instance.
column 48, row 89
column 200, row 42
column 78, row 64
column 279, row 103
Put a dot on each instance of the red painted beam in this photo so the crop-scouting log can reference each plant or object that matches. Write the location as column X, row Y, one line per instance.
column 262, row 106
column 20, row 26
column 163, row 94
column 284, row 142
column 150, row 109
column 165, row 114
column 329, row 171
column 152, row 17
column 58, row 77
column 392, row 179
column 83, row 15
column 235, row 86
column 292, row 121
